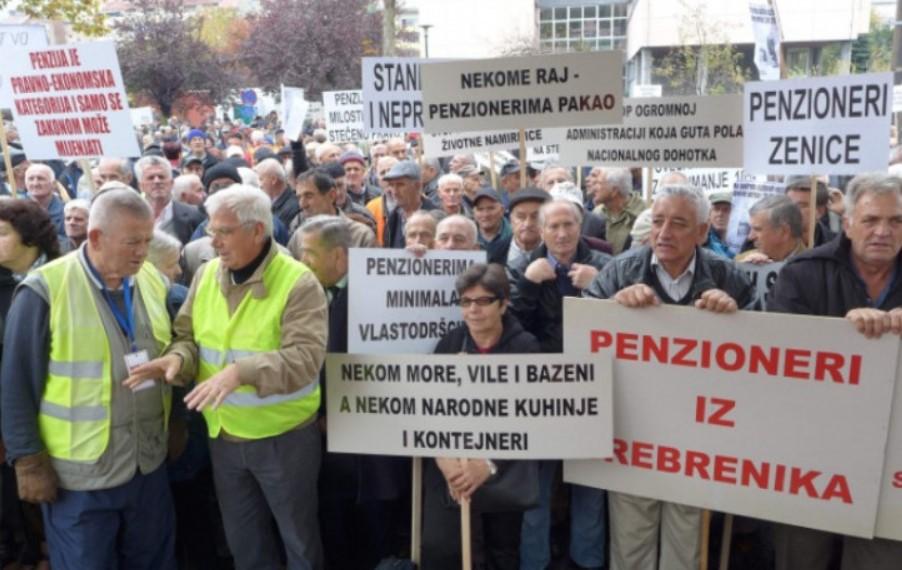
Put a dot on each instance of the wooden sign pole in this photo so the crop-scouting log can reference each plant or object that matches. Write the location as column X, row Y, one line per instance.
column 522, row 159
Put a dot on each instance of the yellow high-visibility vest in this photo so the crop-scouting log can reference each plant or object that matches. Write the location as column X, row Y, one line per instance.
column 254, row 328
column 75, row 415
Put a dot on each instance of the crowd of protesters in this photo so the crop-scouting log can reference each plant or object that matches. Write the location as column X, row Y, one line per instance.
column 161, row 382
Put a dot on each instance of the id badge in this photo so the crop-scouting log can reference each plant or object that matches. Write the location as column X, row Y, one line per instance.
column 135, row 359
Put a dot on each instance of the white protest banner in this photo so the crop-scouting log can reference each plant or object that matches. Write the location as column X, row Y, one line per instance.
column 767, row 41
column 142, row 116
column 836, row 125
column 763, row 276
column 294, row 111
column 344, row 116
column 69, row 102
column 13, row 37
column 399, row 303
column 543, row 154
column 897, row 98
column 392, row 96
column 511, row 406
column 523, row 92
column 745, row 194
column 707, row 179
column 777, row 417
column 889, row 513
column 448, row 144
column 662, row 132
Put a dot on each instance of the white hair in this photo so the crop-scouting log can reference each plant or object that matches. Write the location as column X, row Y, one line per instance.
column 112, row 201
column 152, row 160
column 274, row 167
column 690, row 193
column 324, row 148
column 162, row 245
column 620, row 178
column 555, row 202
column 249, row 204
column 234, row 150
column 40, row 166
column 248, row 176
column 472, row 230
column 77, row 204
column 450, row 177
column 878, row 183
column 183, row 183
column 124, row 166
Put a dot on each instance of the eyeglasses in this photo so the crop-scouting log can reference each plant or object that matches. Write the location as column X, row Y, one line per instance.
column 479, row 301
column 223, row 232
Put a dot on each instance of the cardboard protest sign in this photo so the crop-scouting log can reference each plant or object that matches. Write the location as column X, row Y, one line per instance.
column 763, row 276
column 294, row 111
column 523, row 92
column 767, row 41
column 889, row 514
column 706, row 179
column 18, row 37
column 69, row 102
column 399, row 303
column 834, row 124
column 663, row 132
column 512, row 406
column 344, row 116
column 142, row 116
column 392, row 95
column 778, row 417
column 745, row 194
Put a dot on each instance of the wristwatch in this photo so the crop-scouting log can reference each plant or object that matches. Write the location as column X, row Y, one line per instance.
column 493, row 469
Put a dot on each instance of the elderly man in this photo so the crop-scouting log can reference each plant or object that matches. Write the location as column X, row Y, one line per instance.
column 377, row 151
column 526, row 232
column 798, row 189
column 456, row 233
column 419, row 232
column 86, row 447
column 274, row 181
column 397, row 148
column 494, row 228
column 593, row 226
column 612, row 192
column 473, row 181
column 326, row 153
column 115, row 170
column 316, row 194
column 431, row 172
column 155, row 180
column 188, row 189
column 854, row 276
column 449, row 194
column 358, row 493
column 381, row 207
column 252, row 333
column 358, row 190
column 672, row 270
column 718, row 220
column 39, row 183
column 561, row 267
column 404, row 179
column 75, row 214
column 775, row 225
column 351, row 208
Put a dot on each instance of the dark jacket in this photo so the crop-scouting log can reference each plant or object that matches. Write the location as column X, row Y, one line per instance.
column 711, row 272
column 286, row 206
column 822, row 281
column 594, row 225
column 539, row 306
column 514, row 340
column 393, row 235
column 185, row 219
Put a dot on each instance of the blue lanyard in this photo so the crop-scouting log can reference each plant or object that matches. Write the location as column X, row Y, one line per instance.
column 127, row 321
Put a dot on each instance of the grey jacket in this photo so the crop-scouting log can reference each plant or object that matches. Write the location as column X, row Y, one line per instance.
column 711, row 272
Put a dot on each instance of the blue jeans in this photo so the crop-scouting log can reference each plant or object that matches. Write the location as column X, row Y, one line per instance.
column 131, row 526
column 587, row 531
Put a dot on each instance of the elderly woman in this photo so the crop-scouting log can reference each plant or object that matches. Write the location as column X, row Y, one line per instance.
column 484, row 294
column 450, row 194
column 28, row 239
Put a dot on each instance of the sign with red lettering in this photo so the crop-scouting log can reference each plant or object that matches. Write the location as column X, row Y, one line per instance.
column 69, row 102
column 889, row 514
column 778, row 417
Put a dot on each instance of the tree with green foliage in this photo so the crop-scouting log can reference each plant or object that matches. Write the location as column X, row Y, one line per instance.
column 705, row 62
column 163, row 56
column 873, row 51
column 85, row 16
